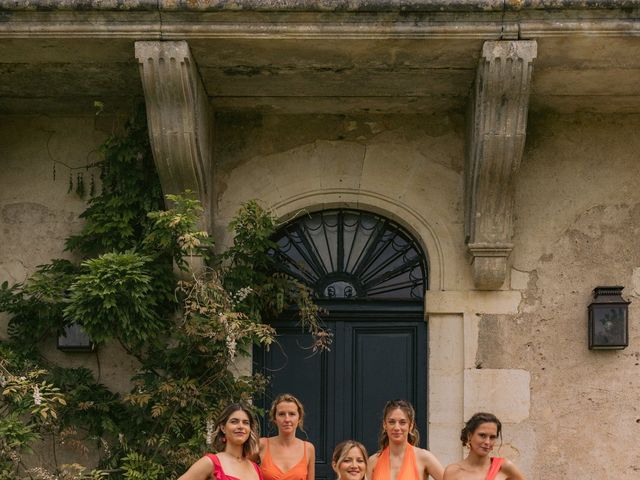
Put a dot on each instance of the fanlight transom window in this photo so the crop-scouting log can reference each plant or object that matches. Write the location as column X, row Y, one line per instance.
column 350, row 254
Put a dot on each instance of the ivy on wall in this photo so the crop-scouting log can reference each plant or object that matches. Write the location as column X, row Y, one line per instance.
column 132, row 286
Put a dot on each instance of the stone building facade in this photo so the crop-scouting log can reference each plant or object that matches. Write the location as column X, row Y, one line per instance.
column 504, row 136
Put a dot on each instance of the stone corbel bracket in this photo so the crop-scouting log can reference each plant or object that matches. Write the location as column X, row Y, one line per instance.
column 496, row 139
column 178, row 116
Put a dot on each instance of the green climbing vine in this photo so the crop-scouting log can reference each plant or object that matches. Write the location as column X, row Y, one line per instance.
column 133, row 286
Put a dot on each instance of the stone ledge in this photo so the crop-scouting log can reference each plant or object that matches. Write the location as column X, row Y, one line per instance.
column 144, row 20
column 320, row 5
column 473, row 302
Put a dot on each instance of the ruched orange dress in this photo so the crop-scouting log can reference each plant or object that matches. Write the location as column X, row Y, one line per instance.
column 408, row 469
column 271, row 472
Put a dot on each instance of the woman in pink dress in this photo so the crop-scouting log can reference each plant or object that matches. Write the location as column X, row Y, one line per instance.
column 479, row 435
column 236, row 441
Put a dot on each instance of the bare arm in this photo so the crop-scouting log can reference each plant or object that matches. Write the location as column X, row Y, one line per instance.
column 261, row 446
column 373, row 459
column 513, row 473
column 199, row 470
column 430, row 465
column 311, row 465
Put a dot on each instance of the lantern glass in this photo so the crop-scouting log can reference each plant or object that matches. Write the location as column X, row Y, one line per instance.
column 608, row 319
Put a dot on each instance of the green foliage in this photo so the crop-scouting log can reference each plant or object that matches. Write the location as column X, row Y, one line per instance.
column 138, row 467
column 175, row 230
column 184, row 330
column 36, row 308
column 28, row 410
column 116, row 219
column 112, row 298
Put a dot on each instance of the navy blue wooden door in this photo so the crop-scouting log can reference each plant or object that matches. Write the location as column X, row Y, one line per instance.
column 375, row 357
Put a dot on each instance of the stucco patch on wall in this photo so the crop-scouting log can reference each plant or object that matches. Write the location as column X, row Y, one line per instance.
column 571, row 163
column 588, row 390
column 504, row 392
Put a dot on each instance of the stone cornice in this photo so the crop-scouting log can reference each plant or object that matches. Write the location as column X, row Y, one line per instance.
column 177, row 20
column 500, row 104
column 317, row 5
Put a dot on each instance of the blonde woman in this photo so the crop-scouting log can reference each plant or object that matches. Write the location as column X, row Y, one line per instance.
column 399, row 458
column 236, row 441
column 285, row 457
column 349, row 460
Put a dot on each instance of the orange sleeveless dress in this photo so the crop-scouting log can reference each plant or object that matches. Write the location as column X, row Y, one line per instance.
column 271, row 472
column 408, row 469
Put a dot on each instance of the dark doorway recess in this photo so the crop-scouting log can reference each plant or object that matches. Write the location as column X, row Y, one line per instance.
column 370, row 275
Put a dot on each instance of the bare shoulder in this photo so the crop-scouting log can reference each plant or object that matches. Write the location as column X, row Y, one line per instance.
column 262, row 445
column 452, row 471
column 199, row 470
column 425, row 455
column 428, row 462
column 510, row 469
column 311, row 452
column 453, row 468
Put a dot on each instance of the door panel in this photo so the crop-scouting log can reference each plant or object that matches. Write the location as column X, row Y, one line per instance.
column 373, row 359
column 386, row 365
column 293, row 369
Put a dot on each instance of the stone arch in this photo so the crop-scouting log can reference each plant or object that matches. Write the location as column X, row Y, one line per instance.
column 386, row 178
column 352, row 254
column 421, row 228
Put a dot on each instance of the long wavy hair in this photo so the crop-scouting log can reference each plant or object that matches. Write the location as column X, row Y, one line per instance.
column 252, row 446
column 407, row 408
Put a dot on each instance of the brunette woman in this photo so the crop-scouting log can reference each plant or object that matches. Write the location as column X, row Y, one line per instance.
column 349, row 460
column 285, row 457
column 479, row 435
column 236, row 440
column 399, row 458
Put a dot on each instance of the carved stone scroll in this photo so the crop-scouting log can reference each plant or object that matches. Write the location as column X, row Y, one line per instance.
column 496, row 141
column 179, row 118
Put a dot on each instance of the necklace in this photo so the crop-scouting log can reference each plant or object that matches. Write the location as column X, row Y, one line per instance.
column 235, row 457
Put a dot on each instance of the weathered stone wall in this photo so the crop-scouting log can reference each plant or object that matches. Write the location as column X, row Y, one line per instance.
column 569, row 412
column 576, row 220
column 37, row 213
column 408, row 168
column 577, row 228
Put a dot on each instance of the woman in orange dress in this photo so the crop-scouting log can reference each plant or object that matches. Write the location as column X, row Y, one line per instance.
column 479, row 435
column 236, row 441
column 285, row 457
column 398, row 457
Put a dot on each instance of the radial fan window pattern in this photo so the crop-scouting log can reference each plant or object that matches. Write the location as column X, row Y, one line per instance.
column 350, row 254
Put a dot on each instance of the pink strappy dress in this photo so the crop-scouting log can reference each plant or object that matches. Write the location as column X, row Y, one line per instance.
column 218, row 473
column 496, row 463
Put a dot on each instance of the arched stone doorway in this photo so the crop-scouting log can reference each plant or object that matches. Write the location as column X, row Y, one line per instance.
column 371, row 275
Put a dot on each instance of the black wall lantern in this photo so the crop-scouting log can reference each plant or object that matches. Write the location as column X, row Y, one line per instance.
column 75, row 339
column 608, row 319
